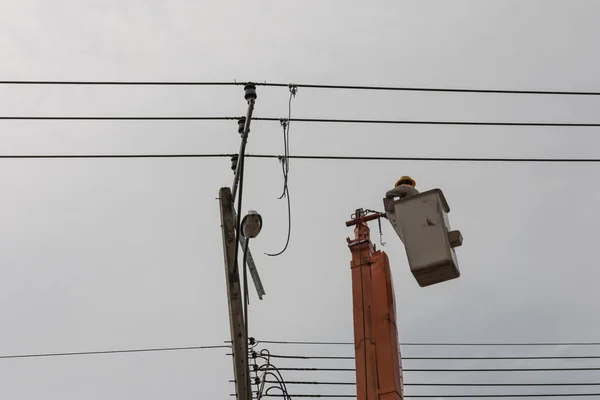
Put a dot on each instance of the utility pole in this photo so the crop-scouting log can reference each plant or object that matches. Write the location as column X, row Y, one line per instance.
column 233, row 235
column 377, row 353
column 239, row 341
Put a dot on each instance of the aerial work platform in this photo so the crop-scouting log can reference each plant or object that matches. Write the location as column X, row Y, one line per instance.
column 421, row 222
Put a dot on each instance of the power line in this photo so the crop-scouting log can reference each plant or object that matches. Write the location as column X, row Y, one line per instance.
column 79, row 156
column 447, row 90
column 88, row 353
column 121, row 83
column 457, row 159
column 300, row 85
column 117, row 118
column 449, row 369
column 448, row 384
column 306, row 157
column 276, row 119
column 465, row 396
column 439, row 343
column 428, row 122
column 298, row 357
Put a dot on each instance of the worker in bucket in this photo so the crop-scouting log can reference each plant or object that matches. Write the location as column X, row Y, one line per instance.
column 404, row 187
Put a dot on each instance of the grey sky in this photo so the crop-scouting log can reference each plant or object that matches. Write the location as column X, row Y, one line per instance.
column 111, row 254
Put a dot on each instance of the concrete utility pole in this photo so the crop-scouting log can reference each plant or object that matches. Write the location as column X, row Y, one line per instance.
column 239, row 341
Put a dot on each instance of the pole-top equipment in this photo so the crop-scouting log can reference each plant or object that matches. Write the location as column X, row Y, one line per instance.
column 250, row 90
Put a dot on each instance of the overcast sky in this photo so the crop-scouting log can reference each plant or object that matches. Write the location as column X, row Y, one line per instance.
column 119, row 254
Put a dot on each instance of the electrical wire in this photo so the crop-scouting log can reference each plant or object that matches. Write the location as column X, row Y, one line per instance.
column 89, row 353
column 452, row 384
column 115, row 118
column 238, row 221
column 285, row 165
column 275, row 119
column 304, row 342
column 450, row 369
column 440, row 343
column 594, row 357
column 445, row 159
column 430, row 122
column 464, row 396
column 304, row 157
column 266, row 355
column 308, row 86
column 246, row 298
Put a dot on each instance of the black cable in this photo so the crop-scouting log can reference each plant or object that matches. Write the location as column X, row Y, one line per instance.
column 317, row 395
column 449, row 384
column 305, row 157
column 465, row 396
column 452, row 369
column 266, row 355
column 115, row 118
column 238, row 221
column 246, row 296
column 289, row 234
column 309, row 86
column 121, row 83
column 464, row 159
column 440, row 344
column 285, row 165
column 320, row 383
column 299, row 357
column 416, row 122
column 82, row 156
column 321, row 120
column 283, row 394
column 88, row 353
column 450, row 90
column 285, row 168
column 304, row 342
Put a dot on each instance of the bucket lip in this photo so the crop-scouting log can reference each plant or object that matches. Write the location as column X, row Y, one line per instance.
column 426, row 193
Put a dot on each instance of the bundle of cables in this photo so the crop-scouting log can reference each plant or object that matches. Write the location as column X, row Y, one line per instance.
column 263, row 372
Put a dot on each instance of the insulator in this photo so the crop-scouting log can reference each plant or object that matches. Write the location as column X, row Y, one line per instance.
column 250, row 92
column 241, row 125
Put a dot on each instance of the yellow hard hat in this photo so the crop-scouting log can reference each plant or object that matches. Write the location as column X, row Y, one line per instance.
column 406, row 178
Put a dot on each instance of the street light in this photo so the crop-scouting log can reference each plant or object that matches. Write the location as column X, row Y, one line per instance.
column 251, row 224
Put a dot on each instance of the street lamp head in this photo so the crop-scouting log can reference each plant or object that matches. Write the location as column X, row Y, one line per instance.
column 251, row 224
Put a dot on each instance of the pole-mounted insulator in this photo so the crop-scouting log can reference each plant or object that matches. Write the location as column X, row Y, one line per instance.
column 250, row 92
column 234, row 162
column 241, row 125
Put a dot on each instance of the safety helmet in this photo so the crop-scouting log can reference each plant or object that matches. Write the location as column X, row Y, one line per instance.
column 405, row 180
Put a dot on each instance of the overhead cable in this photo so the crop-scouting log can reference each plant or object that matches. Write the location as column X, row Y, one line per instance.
column 300, row 85
column 117, row 118
column 448, row 384
column 309, row 157
column 299, row 357
column 437, row 396
column 87, row 353
column 451, row 369
column 276, row 119
column 441, row 343
column 430, row 122
column 285, row 165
